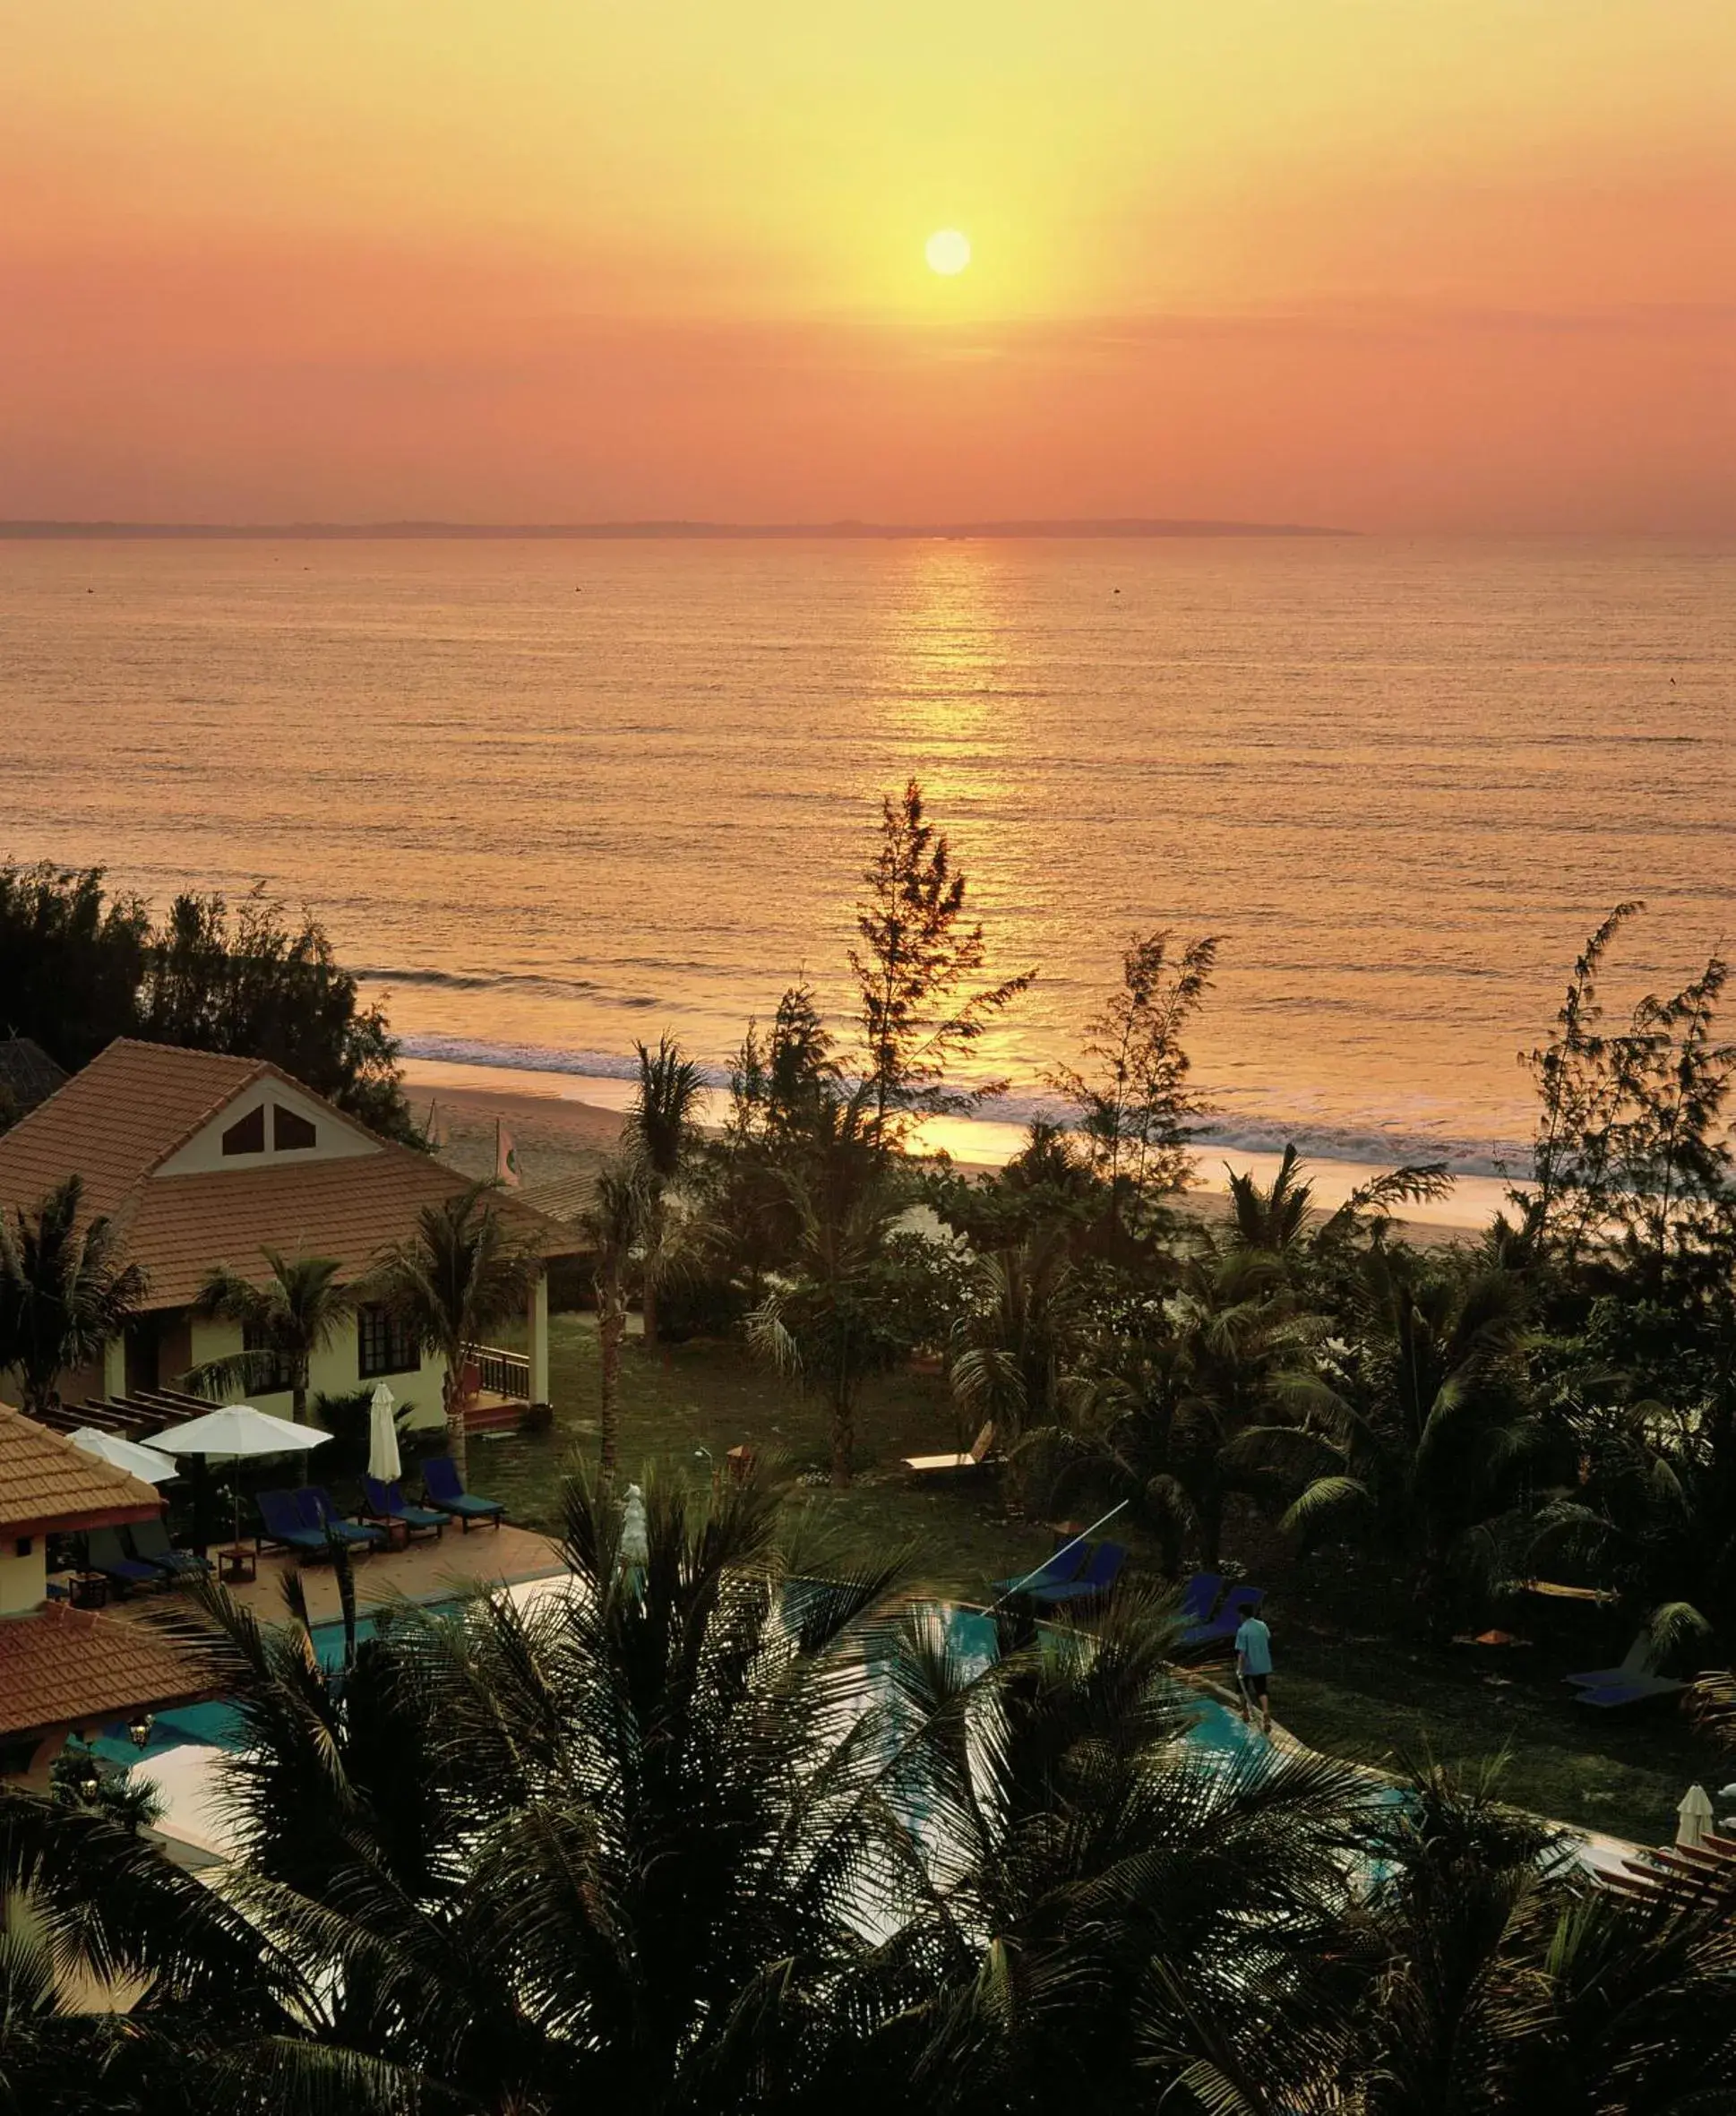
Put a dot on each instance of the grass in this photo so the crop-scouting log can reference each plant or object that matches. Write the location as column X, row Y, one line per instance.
column 1345, row 1684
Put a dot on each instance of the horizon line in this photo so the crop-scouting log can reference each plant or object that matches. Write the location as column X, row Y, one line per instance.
column 1130, row 526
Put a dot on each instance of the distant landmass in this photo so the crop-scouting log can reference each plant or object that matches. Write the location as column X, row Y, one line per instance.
column 740, row 531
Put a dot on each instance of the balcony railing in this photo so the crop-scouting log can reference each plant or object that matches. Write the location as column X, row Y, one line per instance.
column 499, row 1373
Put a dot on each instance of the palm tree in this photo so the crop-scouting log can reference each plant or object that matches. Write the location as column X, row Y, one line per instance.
column 1427, row 1433
column 1012, row 1347
column 661, row 1132
column 613, row 1224
column 66, row 1293
column 462, row 1272
column 827, row 1324
column 296, row 1312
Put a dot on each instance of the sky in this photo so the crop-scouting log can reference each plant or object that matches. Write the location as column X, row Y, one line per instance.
column 1419, row 265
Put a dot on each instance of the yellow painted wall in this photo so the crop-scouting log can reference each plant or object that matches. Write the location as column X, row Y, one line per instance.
column 23, row 1581
column 334, row 1372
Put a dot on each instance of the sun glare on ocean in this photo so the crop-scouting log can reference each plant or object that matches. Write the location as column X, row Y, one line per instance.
column 948, row 252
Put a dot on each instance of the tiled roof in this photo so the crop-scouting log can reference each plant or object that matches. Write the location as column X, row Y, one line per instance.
column 179, row 1226
column 70, row 1668
column 130, row 1106
column 47, row 1483
column 135, row 1103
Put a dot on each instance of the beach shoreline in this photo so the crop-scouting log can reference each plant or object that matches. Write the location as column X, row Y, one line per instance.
column 564, row 1126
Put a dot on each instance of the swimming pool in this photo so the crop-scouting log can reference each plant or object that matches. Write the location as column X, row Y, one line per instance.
column 184, row 1755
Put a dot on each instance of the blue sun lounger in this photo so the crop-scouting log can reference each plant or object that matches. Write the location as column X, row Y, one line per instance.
column 1640, row 1661
column 148, row 1543
column 1054, row 1572
column 445, row 1490
column 1636, row 1689
column 1097, row 1580
column 318, row 1511
column 103, row 1553
column 1200, row 1597
column 283, row 1523
column 1238, row 1602
column 386, row 1503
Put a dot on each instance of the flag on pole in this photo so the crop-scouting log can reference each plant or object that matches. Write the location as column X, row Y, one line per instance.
column 506, row 1157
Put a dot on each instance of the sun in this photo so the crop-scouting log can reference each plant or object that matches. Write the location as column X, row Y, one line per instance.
column 948, row 252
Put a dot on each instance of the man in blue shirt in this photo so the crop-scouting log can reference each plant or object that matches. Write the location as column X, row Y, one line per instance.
column 1253, row 1668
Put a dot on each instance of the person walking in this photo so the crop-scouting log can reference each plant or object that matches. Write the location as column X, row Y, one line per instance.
column 1253, row 1671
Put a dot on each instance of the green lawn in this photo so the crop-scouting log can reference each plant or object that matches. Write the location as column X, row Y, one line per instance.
column 1345, row 1683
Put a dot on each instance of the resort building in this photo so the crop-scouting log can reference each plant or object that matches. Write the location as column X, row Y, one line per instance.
column 202, row 1160
column 65, row 1670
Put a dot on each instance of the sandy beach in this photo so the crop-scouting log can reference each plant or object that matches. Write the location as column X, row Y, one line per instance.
column 561, row 1141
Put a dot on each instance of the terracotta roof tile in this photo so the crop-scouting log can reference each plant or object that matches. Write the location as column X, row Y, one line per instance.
column 70, row 1668
column 135, row 1103
column 177, row 1226
column 115, row 1120
column 48, row 1483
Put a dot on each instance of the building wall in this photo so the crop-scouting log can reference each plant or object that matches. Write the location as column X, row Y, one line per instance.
column 336, row 1371
column 23, row 1579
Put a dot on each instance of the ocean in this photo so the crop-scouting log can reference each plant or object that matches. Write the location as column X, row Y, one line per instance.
column 554, row 796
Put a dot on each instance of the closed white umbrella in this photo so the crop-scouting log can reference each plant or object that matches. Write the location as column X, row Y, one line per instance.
column 384, row 1464
column 635, row 1541
column 1695, row 1817
column 235, row 1432
column 146, row 1462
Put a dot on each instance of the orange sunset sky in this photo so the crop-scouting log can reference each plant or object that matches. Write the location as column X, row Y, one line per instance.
column 1420, row 265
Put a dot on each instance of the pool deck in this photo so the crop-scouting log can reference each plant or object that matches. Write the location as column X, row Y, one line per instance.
column 426, row 1570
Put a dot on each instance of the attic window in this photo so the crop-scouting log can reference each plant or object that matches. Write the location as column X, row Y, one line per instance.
column 247, row 1134
column 290, row 1133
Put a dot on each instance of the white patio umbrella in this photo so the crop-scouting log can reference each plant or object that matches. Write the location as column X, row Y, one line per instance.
column 1695, row 1815
column 635, row 1542
column 233, row 1433
column 384, row 1464
column 145, row 1463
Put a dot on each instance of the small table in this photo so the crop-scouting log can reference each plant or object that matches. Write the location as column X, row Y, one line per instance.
column 87, row 1590
column 398, row 1531
column 237, row 1564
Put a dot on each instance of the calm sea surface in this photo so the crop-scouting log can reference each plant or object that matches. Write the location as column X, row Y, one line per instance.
column 560, row 795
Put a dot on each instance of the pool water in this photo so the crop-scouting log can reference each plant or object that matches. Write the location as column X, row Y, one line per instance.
column 969, row 1635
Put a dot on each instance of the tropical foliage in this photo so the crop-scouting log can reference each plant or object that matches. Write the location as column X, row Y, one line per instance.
column 294, row 1312
column 66, row 1290
column 728, row 1831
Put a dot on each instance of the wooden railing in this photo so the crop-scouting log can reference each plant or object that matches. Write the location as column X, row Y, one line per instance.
column 499, row 1373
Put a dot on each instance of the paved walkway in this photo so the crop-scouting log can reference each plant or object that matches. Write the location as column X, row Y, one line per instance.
column 424, row 1572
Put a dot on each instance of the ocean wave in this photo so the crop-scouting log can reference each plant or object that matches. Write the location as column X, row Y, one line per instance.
column 1371, row 1142
column 484, row 981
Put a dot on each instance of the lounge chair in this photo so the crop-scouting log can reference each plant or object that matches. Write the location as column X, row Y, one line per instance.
column 103, row 1553
column 1636, row 1689
column 1200, row 1596
column 148, row 1541
column 386, row 1503
column 1064, row 1565
column 445, row 1490
column 1095, row 1582
column 1238, row 1602
column 1641, row 1660
column 285, row 1526
column 318, row 1511
column 935, row 1465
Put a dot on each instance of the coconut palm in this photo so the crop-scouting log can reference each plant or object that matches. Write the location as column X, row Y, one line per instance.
column 1012, row 1346
column 297, row 1311
column 613, row 1224
column 463, row 1272
column 828, row 1323
column 662, row 1130
column 65, row 1290
column 1422, row 1439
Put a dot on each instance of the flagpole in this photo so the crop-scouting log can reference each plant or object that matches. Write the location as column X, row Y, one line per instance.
column 1059, row 1551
